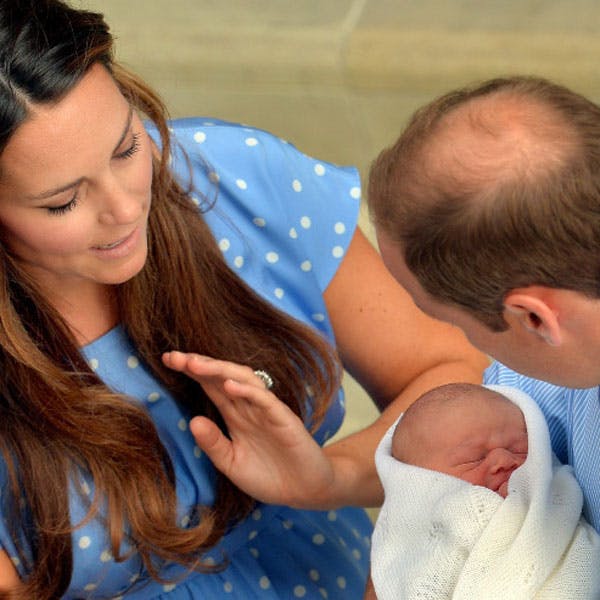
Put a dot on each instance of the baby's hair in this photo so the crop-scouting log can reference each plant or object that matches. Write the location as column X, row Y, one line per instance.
column 429, row 407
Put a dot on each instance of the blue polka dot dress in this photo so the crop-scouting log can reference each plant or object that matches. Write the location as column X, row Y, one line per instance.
column 283, row 222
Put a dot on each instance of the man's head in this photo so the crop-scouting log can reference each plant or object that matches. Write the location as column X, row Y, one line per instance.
column 492, row 192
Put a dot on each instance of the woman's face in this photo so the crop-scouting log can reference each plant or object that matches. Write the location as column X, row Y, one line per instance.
column 75, row 189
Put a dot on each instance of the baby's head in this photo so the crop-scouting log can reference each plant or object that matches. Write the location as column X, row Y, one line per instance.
column 464, row 430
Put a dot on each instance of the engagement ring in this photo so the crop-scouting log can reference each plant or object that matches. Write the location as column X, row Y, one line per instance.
column 265, row 378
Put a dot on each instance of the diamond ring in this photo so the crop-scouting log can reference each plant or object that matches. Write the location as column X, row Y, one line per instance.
column 265, row 378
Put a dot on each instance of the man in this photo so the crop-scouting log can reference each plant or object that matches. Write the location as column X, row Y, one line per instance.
column 487, row 210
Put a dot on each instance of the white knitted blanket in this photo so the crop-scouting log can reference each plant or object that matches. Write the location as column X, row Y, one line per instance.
column 438, row 537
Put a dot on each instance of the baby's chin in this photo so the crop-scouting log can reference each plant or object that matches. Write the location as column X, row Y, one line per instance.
column 503, row 489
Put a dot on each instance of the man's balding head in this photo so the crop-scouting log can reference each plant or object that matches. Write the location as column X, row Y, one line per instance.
column 493, row 188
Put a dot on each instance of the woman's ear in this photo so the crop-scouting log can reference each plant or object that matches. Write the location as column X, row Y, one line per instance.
column 534, row 312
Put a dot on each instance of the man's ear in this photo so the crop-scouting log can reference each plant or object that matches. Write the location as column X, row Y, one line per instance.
column 533, row 312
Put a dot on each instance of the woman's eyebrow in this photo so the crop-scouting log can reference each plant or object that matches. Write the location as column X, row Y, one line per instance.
column 68, row 186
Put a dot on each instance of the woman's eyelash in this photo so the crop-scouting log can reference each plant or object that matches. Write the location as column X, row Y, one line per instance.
column 71, row 204
column 61, row 210
column 135, row 146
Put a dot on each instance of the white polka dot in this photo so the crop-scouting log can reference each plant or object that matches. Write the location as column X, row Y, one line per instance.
column 213, row 176
column 197, row 452
column 182, row 424
column 85, row 488
column 210, row 561
column 318, row 539
column 185, row 521
column 287, row 524
column 169, row 587
column 106, row 556
column 299, row 591
column 153, row 397
column 324, row 592
column 356, row 553
column 134, row 578
column 208, row 123
column 252, row 534
column 257, row 515
column 272, row 257
column 15, row 560
column 264, row 582
column 84, row 542
column 254, row 552
column 133, row 362
column 341, row 581
column 318, row 317
column 355, row 192
column 314, row 575
column 238, row 261
column 339, row 228
column 343, row 542
column 241, row 184
column 319, row 169
column 279, row 293
column 337, row 252
column 356, row 533
column 251, row 141
column 305, row 222
column 195, row 200
column 90, row 587
column 297, row 185
column 200, row 137
column 332, row 515
column 224, row 244
column 259, row 221
column 293, row 233
column 94, row 364
column 306, row 266
column 228, row 587
column 367, row 540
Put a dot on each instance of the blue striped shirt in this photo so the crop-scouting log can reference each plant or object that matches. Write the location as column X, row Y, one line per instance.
column 573, row 417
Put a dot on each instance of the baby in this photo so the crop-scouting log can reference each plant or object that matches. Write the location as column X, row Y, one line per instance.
column 477, row 506
column 464, row 430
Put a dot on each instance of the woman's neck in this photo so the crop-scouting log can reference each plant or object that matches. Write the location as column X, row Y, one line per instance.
column 90, row 313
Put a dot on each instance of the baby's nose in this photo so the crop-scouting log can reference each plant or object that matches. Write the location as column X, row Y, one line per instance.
column 503, row 459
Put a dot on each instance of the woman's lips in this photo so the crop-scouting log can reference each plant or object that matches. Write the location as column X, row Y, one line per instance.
column 120, row 248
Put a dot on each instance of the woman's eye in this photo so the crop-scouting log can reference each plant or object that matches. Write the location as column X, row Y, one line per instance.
column 61, row 210
column 135, row 146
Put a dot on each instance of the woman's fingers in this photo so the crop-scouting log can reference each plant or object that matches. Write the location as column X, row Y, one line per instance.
column 211, row 440
column 200, row 367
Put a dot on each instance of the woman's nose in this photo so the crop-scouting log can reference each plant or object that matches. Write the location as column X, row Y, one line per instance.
column 118, row 206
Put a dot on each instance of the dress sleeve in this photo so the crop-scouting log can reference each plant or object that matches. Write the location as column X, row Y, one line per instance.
column 293, row 212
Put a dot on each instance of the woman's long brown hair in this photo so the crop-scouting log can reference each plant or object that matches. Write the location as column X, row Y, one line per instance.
column 57, row 418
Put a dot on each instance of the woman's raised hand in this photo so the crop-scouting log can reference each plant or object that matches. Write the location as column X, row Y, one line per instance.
column 269, row 454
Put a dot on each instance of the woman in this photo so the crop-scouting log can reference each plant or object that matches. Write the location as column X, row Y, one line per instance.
column 111, row 274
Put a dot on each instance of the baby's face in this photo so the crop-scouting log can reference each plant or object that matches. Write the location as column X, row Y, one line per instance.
column 483, row 444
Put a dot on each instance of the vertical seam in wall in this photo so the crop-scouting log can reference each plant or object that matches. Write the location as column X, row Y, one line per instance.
column 348, row 26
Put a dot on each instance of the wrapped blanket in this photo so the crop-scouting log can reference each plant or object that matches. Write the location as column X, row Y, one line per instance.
column 439, row 537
